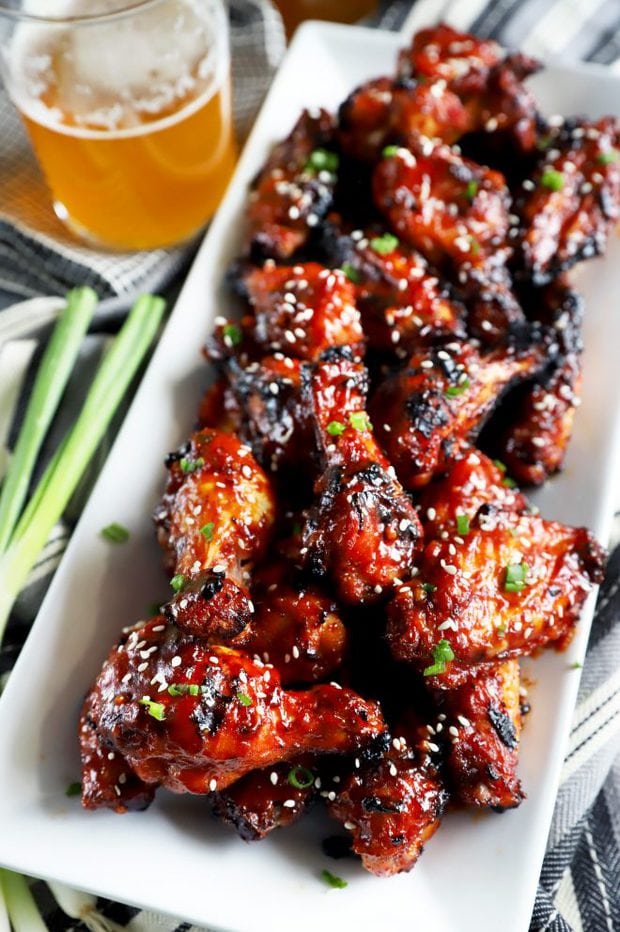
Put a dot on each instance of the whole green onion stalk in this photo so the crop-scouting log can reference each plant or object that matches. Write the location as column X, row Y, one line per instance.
column 66, row 468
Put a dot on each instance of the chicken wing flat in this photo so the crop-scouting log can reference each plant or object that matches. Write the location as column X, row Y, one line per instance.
column 515, row 584
column 449, row 505
column 487, row 82
column 294, row 190
column 362, row 530
column 451, row 209
column 213, row 522
column 393, row 805
column 296, row 627
column 572, row 200
column 427, row 413
column 195, row 718
column 403, row 304
column 483, row 726
column 535, row 442
column 302, row 309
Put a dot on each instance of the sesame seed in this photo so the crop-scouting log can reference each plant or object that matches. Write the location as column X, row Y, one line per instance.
column 431, row 514
column 213, row 785
column 349, row 826
column 122, row 778
column 453, row 731
column 331, row 796
column 393, row 769
column 159, row 628
column 289, row 803
column 463, row 721
column 126, row 678
column 176, row 661
column 434, row 748
column 273, row 776
column 142, row 667
column 396, row 744
column 111, row 755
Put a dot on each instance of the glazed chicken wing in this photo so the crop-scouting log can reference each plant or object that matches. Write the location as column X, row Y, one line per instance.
column 483, row 727
column 302, row 309
column 535, row 442
column 402, row 303
column 266, row 799
column 392, row 805
column 296, row 627
column 448, row 506
column 213, row 522
column 294, row 189
column 572, row 201
column 427, row 413
column 362, row 530
column 195, row 718
column 515, row 584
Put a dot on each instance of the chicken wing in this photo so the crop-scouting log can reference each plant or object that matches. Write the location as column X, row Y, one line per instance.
column 427, row 413
column 513, row 585
column 213, row 522
column 362, row 530
column 448, row 506
column 403, row 304
column 572, row 200
column 195, row 718
column 392, row 805
column 294, row 190
column 483, row 726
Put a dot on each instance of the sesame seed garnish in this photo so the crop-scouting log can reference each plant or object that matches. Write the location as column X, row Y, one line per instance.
column 453, row 731
column 111, row 755
column 159, row 628
column 289, row 803
column 463, row 721
column 273, row 776
column 176, row 661
column 431, row 514
column 213, row 785
column 396, row 744
column 295, row 651
column 142, row 667
column 349, row 825
column 393, row 769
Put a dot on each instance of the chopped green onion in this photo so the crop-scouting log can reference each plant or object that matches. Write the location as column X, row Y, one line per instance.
column 359, row 420
column 177, row 582
column 155, row 709
column 552, row 179
column 60, row 479
column 51, row 380
column 335, row 428
column 544, row 142
column 429, row 587
column 607, row 158
column 576, row 665
column 232, row 334
column 351, row 272
column 471, row 190
column 501, row 466
column 322, row 160
column 474, row 246
column 389, row 151
column 384, row 244
column 300, row 777
column 453, row 390
column 115, row 533
column 74, row 789
column 462, row 525
column 184, row 689
column 20, row 903
column 509, row 483
column 244, row 699
column 207, row 530
column 516, row 577
column 190, row 465
column 332, row 880
column 442, row 654
column 154, row 608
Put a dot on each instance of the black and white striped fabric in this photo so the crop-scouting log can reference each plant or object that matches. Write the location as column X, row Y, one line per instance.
column 579, row 887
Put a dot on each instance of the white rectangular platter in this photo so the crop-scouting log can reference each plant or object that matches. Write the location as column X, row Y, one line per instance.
column 479, row 872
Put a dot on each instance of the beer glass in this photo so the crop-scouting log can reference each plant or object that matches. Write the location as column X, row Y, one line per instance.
column 127, row 105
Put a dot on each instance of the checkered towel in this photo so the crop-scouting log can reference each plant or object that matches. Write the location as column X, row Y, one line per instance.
column 580, row 882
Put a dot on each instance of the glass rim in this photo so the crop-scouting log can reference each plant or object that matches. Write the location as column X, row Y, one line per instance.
column 127, row 9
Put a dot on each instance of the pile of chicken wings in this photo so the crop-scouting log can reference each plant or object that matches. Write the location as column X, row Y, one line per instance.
column 355, row 571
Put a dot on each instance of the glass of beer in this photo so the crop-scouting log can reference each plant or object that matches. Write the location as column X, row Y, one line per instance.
column 128, row 108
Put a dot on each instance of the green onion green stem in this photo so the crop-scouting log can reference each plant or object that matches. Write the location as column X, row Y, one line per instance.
column 51, row 380
column 20, row 904
column 62, row 476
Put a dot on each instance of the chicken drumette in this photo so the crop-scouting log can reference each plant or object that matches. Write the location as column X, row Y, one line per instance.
column 195, row 718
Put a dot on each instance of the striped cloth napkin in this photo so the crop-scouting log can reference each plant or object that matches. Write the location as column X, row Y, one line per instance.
column 580, row 883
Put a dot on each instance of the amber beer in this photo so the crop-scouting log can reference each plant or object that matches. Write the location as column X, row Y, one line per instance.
column 131, row 166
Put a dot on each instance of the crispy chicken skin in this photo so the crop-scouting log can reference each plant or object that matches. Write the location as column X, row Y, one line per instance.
column 465, row 593
column 302, row 309
column 296, row 627
column 483, row 725
column 290, row 195
column 403, row 304
column 570, row 204
column 472, row 480
column 391, row 805
column 428, row 413
column 266, row 799
column 535, row 442
column 240, row 720
column 362, row 530
column 213, row 522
